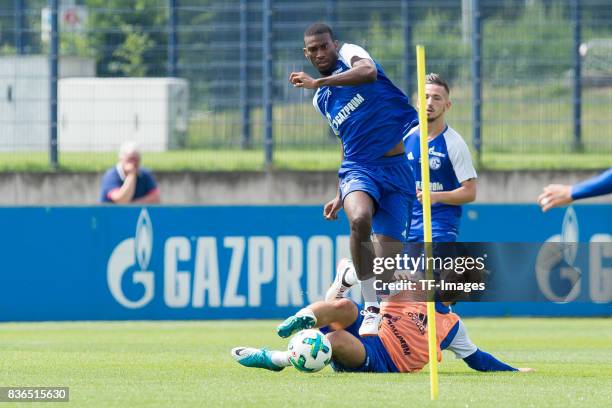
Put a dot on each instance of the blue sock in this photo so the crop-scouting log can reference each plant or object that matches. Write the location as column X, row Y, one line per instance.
column 483, row 361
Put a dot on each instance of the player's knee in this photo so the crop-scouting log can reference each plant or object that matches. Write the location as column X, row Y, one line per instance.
column 345, row 306
column 337, row 340
column 346, row 349
column 361, row 225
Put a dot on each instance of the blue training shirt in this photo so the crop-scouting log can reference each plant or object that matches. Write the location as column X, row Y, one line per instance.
column 596, row 186
column 113, row 179
column 370, row 119
column 450, row 164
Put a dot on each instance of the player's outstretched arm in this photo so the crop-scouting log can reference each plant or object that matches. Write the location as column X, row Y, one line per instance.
column 557, row 195
column 363, row 71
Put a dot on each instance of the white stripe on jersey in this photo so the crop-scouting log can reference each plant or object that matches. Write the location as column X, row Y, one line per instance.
column 314, row 101
column 346, row 54
column 411, row 131
column 348, row 51
column 459, row 155
column 461, row 344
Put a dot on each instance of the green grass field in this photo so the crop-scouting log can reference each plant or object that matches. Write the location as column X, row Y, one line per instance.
column 175, row 364
column 290, row 159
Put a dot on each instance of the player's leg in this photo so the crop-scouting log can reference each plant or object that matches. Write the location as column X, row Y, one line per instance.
column 359, row 354
column 387, row 247
column 391, row 226
column 360, row 208
column 272, row 360
column 335, row 315
column 329, row 316
column 363, row 250
column 348, row 352
column 392, row 222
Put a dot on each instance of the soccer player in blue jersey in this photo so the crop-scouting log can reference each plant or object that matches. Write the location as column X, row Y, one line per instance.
column 370, row 115
column 451, row 173
column 557, row 195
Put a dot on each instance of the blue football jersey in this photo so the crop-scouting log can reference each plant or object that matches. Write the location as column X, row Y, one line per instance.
column 450, row 164
column 370, row 119
column 594, row 187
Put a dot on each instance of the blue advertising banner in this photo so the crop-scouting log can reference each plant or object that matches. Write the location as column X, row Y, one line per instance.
column 115, row 263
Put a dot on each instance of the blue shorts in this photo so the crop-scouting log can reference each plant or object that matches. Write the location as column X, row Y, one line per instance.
column 390, row 183
column 377, row 359
column 448, row 236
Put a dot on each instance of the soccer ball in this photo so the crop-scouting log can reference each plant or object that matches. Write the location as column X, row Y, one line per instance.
column 309, row 351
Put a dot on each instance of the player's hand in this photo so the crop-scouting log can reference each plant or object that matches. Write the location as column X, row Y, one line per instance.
column 331, row 209
column 526, row 370
column 432, row 197
column 555, row 195
column 302, row 80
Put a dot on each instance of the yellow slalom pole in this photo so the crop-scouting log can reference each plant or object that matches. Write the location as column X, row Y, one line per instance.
column 431, row 307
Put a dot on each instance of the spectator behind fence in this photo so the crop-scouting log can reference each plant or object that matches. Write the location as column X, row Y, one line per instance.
column 127, row 182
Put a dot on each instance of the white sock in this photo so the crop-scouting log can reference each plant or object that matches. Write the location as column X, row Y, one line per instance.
column 280, row 358
column 307, row 312
column 369, row 293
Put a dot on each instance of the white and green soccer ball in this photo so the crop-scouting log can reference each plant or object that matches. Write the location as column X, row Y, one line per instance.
column 309, row 351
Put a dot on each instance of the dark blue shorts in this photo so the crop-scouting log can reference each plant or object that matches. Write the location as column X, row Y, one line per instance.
column 390, row 183
column 448, row 236
column 377, row 359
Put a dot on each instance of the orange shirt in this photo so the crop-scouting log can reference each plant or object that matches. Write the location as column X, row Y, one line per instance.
column 403, row 331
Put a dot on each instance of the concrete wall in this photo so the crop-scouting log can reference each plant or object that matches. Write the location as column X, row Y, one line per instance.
column 283, row 187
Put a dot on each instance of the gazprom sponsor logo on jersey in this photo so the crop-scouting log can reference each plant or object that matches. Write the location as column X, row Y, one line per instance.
column 432, row 152
column 192, row 272
column 346, row 111
column 434, row 186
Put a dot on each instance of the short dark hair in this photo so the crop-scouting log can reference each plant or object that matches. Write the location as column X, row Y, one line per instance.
column 318, row 29
column 435, row 79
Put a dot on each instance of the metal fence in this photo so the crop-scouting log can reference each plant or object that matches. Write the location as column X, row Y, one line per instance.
column 531, row 80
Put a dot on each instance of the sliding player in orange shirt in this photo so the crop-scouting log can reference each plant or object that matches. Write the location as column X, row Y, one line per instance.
column 400, row 347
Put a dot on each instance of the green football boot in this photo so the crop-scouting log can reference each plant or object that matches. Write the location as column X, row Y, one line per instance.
column 255, row 358
column 295, row 323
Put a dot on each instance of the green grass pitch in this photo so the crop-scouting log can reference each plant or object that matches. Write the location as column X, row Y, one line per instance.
column 175, row 364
